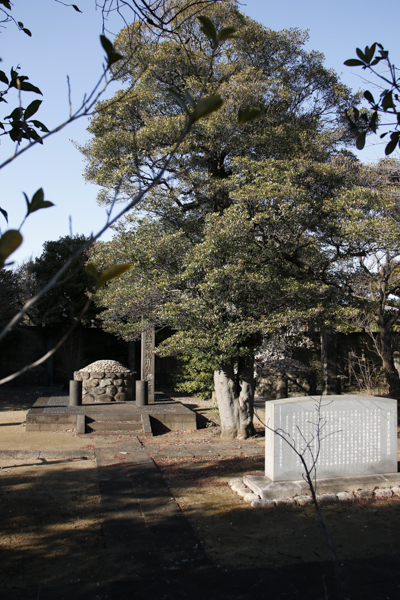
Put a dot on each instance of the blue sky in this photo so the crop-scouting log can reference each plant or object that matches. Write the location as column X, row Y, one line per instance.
column 65, row 42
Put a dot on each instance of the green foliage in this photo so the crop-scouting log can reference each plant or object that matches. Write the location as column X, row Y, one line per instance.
column 10, row 295
column 260, row 73
column 195, row 377
column 388, row 102
column 284, row 251
column 63, row 302
column 258, row 220
column 19, row 125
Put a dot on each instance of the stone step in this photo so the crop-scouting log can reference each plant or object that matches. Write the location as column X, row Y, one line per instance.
column 113, row 425
column 112, row 417
column 111, row 432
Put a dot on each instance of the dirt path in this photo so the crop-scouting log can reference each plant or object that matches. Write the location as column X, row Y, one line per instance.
column 51, row 519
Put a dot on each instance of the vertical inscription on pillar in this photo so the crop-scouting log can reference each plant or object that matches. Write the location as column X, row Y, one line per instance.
column 148, row 359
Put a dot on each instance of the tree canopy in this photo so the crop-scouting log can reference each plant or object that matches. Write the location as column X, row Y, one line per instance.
column 301, row 106
column 64, row 301
column 232, row 241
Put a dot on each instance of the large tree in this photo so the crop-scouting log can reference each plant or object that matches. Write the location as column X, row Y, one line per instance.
column 301, row 106
column 287, row 249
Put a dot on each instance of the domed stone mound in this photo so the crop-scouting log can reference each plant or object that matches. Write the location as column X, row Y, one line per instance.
column 105, row 365
column 105, row 381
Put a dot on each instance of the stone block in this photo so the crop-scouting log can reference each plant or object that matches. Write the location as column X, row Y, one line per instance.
column 345, row 496
column 105, row 382
column 77, row 376
column 88, row 399
column 106, row 398
column 396, row 490
column 304, row 500
column 118, row 382
column 258, row 503
column 363, row 494
column 111, row 374
column 358, row 436
column 284, row 501
column 121, row 397
column 91, row 383
column 111, row 390
column 383, row 493
column 96, row 375
column 327, row 498
column 98, row 391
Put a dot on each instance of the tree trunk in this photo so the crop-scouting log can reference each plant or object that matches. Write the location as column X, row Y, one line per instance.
column 329, row 361
column 281, row 386
column 235, row 397
column 388, row 368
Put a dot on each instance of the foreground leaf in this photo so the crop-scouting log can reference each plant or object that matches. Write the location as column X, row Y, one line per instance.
column 112, row 273
column 9, row 242
column 207, row 106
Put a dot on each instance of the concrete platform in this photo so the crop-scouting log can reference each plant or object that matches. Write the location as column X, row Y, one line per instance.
column 269, row 490
column 54, row 414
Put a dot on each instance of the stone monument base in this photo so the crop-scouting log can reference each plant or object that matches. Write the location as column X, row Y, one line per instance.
column 271, row 490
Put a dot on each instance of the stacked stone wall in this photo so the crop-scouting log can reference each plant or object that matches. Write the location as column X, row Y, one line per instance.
column 113, row 383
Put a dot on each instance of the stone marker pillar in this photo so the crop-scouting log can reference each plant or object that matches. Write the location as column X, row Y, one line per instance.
column 147, row 369
column 142, row 392
column 75, row 393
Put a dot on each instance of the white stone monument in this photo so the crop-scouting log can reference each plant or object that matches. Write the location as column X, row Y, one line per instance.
column 348, row 437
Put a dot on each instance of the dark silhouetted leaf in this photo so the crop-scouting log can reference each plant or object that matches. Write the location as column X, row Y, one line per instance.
column 9, row 242
column 226, row 34
column 91, row 269
column 25, row 86
column 37, row 202
column 360, row 54
column 369, row 52
column 4, row 213
column 207, row 106
column 76, row 8
column 208, row 28
column 248, row 114
column 112, row 55
column 387, row 100
column 3, row 77
column 27, row 31
column 394, row 139
column 373, row 124
column 32, row 109
column 40, row 125
column 360, row 143
column 353, row 62
column 368, row 96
